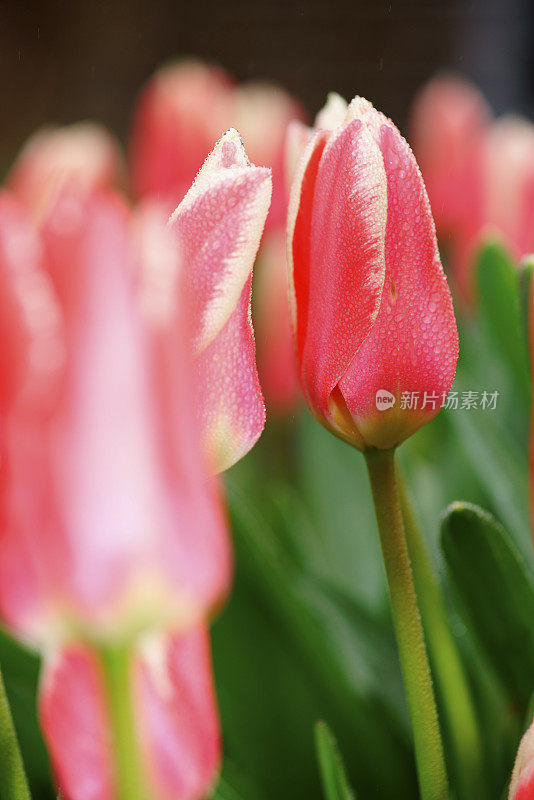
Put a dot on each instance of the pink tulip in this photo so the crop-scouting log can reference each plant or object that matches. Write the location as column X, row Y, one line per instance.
column 372, row 313
column 181, row 112
column 110, row 523
column 522, row 782
column 449, row 124
column 175, row 717
column 509, row 182
column 449, row 120
column 83, row 156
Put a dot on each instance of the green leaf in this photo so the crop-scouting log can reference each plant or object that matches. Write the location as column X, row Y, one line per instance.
column 500, row 309
column 20, row 669
column 526, row 271
column 281, row 663
column 496, row 590
column 333, row 777
column 500, row 466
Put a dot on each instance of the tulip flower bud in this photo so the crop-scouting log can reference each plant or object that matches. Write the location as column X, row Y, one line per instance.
column 372, row 312
column 110, row 522
column 84, row 157
column 522, row 781
column 448, row 123
column 175, row 719
column 509, row 182
column 181, row 112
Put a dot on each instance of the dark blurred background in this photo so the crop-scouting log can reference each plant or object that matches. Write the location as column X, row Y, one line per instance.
column 64, row 60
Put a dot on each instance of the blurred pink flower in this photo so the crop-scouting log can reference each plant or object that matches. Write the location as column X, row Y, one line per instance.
column 276, row 350
column 449, row 123
column 509, row 182
column 175, row 717
column 81, row 156
column 181, row 111
column 479, row 173
column 109, row 520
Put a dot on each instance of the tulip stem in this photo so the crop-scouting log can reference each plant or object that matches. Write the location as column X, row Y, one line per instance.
column 117, row 667
column 13, row 782
column 415, row 667
column 451, row 680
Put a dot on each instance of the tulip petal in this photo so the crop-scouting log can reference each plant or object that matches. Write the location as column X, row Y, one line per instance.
column 219, row 225
column 413, row 345
column 74, row 720
column 177, row 715
column 230, row 399
column 332, row 115
column 338, row 262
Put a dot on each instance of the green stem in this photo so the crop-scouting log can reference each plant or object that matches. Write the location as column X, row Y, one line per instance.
column 428, row 746
column 457, row 703
column 13, row 782
column 130, row 782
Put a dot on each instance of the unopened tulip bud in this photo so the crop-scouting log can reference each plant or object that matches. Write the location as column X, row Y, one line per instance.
column 372, row 312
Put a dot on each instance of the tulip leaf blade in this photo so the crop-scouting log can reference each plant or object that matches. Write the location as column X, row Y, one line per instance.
column 333, row 776
column 496, row 592
column 500, row 308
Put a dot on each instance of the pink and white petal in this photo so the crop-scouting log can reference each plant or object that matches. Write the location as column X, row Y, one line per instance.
column 346, row 259
column 75, row 724
column 230, row 400
column 333, row 113
column 177, row 715
column 413, row 345
column 219, row 226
